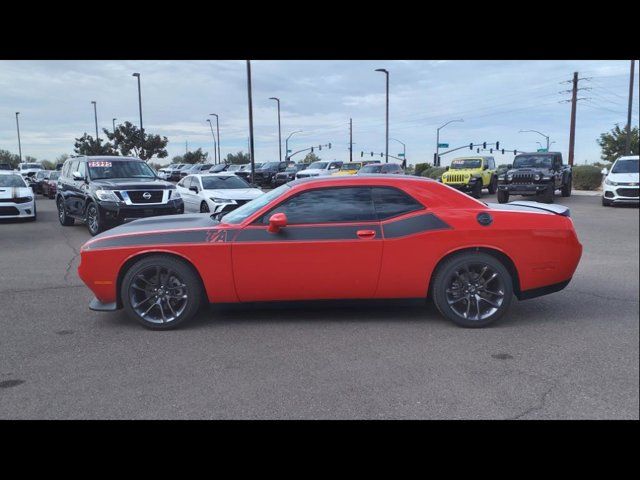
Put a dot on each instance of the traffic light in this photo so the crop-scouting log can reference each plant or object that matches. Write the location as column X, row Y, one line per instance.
column 311, row 149
column 477, row 150
column 361, row 153
column 372, row 154
column 381, row 154
column 497, row 145
column 503, row 151
column 471, row 146
column 329, row 145
column 515, row 152
column 484, row 145
column 491, row 150
column 319, row 147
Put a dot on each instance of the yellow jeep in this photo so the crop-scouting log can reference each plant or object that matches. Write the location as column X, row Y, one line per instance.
column 472, row 174
column 351, row 168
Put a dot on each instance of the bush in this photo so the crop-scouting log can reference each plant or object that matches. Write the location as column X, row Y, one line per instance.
column 421, row 167
column 434, row 172
column 586, row 177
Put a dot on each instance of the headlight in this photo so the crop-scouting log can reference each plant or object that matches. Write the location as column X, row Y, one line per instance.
column 174, row 195
column 609, row 182
column 222, row 200
column 537, row 177
column 500, row 177
column 107, row 196
column 509, row 177
column 546, row 178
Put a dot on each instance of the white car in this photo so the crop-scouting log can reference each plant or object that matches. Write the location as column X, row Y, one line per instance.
column 16, row 198
column 29, row 168
column 621, row 184
column 163, row 174
column 215, row 192
column 320, row 169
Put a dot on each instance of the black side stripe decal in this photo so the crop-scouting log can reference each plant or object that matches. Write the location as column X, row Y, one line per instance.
column 293, row 233
column 163, row 238
column 411, row 225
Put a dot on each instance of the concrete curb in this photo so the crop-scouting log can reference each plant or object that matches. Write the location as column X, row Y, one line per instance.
column 586, row 193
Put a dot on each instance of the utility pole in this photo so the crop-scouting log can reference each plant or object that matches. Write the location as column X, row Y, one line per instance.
column 95, row 113
column 627, row 147
column 19, row 144
column 386, row 72
column 251, row 145
column 113, row 121
column 350, row 140
column 217, row 130
column 279, row 129
column 572, row 132
column 215, row 158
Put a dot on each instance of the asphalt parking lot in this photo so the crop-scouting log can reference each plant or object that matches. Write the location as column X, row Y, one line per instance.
column 570, row 355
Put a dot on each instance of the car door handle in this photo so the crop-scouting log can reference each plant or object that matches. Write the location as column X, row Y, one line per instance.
column 366, row 233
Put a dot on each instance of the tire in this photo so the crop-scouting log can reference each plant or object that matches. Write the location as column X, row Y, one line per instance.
column 204, row 207
column 183, row 293
column 493, row 185
column 473, row 284
column 476, row 192
column 547, row 195
column 566, row 188
column 503, row 196
column 92, row 219
column 606, row 202
column 65, row 220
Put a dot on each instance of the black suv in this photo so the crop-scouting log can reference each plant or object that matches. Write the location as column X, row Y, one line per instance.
column 106, row 191
column 539, row 174
column 266, row 174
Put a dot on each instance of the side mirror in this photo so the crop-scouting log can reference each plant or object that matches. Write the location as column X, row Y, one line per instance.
column 194, row 189
column 77, row 176
column 485, row 167
column 604, row 171
column 510, row 166
column 276, row 222
column 446, row 168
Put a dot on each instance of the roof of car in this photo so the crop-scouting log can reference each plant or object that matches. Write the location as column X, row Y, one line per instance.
column 539, row 153
column 360, row 178
column 216, row 174
column 629, row 157
column 111, row 158
column 9, row 172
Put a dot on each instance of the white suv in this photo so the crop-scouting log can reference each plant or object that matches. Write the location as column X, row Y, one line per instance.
column 620, row 185
column 320, row 169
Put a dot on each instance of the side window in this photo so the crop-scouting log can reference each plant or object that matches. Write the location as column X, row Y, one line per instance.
column 74, row 167
column 390, row 202
column 491, row 163
column 82, row 168
column 195, row 182
column 327, row 205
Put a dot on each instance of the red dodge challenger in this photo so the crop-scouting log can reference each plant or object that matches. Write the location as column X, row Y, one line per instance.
column 351, row 237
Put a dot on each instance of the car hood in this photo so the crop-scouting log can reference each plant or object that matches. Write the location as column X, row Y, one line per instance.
column 132, row 184
column 235, row 193
column 466, row 171
column 624, row 177
column 542, row 171
column 14, row 192
column 317, row 171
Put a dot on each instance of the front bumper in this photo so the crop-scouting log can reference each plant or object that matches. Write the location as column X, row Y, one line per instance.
column 277, row 181
column 621, row 194
column 113, row 213
column 523, row 189
column 99, row 306
column 17, row 210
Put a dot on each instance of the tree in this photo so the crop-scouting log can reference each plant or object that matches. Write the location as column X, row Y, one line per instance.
column 11, row 158
column 239, row 158
column 127, row 140
column 48, row 165
column 87, row 145
column 310, row 158
column 177, row 159
column 613, row 143
column 197, row 156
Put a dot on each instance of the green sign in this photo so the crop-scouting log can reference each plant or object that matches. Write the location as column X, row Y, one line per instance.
column 542, row 150
column 443, row 145
column 401, row 154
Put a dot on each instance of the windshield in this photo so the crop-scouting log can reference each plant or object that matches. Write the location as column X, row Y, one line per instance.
column 269, row 165
column 351, row 166
column 11, row 181
column 461, row 163
column 101, row 169
column 54, row 175
column 318, row 165
column 233, row 168
column 42, row 174
column 370, row 169
column 223, row 183
column 626, row 166
column 533, row 161
column 245, row 211
column 30, row 166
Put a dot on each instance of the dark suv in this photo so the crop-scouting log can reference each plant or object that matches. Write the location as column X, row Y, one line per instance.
column 539, row 174
column 106, row 191
column 266, row 174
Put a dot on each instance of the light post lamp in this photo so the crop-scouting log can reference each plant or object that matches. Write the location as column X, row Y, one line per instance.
column 287, row 144
column 19, row 144
column 95, row 114
column 140, row 109
column 386, row 72
column 217, row 130
column 539, row 133
column 279, row 130
column 404, row 150
column 436, row 161
column 113, row 121
column 215, row 157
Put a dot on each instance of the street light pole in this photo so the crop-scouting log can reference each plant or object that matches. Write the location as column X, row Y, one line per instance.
column 95, row 114
column 386, row 149
column 113, row 120
column 215, row 158
column 217, row 130
column 436, row 161
column 287, row 143
column 627, row 145
column 539, row 133
column 404, row 151
column 140, row 109
column 279, row 130
column 19, row 144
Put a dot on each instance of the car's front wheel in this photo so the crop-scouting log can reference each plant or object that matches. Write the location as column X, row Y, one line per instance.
column 493, row 185
column 566, row 188
column 476, row 190
column 65, row 220
column 161, row 292
column 472, row 289
column 606, row 202
column 503, row 196
column 204, row 207
column 92, row 219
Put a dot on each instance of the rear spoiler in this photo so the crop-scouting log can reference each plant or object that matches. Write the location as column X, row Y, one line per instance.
column 533, row 206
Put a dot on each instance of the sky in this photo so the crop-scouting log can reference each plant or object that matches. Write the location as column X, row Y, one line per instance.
column 495, row 99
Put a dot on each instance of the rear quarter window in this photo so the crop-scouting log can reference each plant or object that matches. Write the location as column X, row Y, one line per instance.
column 390, row 202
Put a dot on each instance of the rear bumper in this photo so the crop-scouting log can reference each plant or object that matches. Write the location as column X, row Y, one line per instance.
column 539, row 292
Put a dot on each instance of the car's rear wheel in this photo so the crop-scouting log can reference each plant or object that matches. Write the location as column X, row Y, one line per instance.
column 204, row 207
column 161, row 292
column 566, row 188
column 606, row 202
column 493, row 185
column 503, row 196
column 92, row 219
column 62, row 214
column 472, row 289
column 547, row 195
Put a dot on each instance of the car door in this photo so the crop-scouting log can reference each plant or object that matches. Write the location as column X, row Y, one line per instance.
column 71, row 190
column 331, row 248
column 183, row 188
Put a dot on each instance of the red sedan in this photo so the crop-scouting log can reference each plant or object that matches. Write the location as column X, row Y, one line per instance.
column 352, row 237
